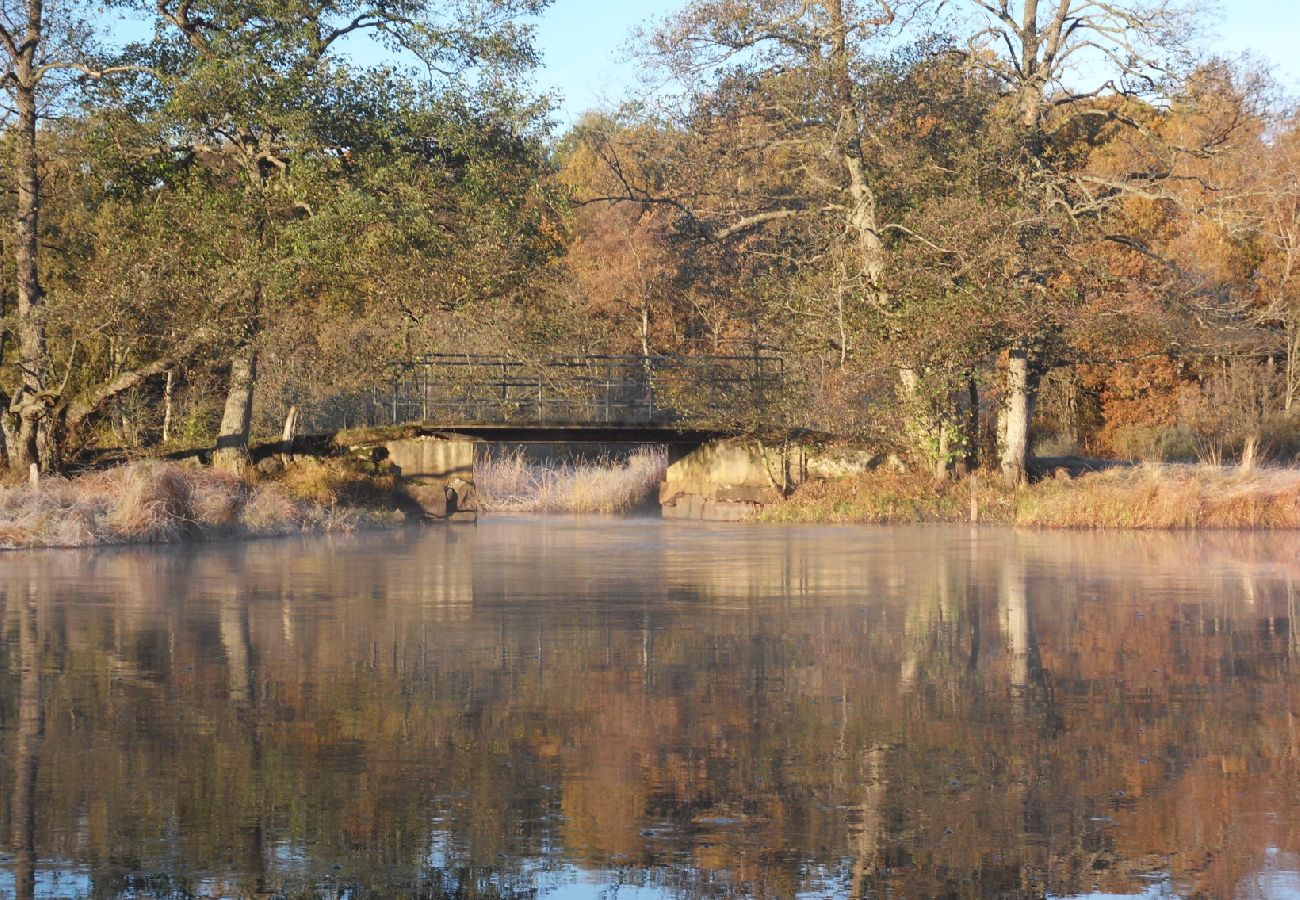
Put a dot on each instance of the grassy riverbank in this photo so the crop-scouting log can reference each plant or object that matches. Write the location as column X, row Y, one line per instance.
column 1142, row 497
column 883, row 497
column 161, row 502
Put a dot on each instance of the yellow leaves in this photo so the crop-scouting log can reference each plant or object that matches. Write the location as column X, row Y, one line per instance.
column 552, row 229
column 927, row 124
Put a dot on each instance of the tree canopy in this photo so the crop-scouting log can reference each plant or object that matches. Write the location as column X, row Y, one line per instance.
column 971, row 229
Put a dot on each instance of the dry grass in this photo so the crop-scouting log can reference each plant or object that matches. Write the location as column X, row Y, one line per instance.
column 511, row 483
column 1156, row 496
column 339, row 482
column 882, row 497
column 158, row 502
column 1153, row 496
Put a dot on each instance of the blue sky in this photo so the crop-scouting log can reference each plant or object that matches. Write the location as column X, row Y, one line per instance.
column 582, row 44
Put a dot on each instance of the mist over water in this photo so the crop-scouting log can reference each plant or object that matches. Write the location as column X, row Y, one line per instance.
column 591, row 708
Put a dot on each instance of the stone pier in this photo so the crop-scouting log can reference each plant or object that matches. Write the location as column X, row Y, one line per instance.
column 725, row 481
column 733, row 480
column 438, row 472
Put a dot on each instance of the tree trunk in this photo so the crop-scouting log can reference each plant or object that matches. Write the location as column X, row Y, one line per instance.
column 9, row 426
column 862, row 223
column 290, row 434
column 861, row 219
column 928, row 421
column 909, row 401
column 24, row 451
column 1017, row 415
column 1070, row 410
column 50, row 434
column 33, row 359
column 1292, row 369
column 168, row 390
column 943, row 452
column 972, row 423
column 236, row 421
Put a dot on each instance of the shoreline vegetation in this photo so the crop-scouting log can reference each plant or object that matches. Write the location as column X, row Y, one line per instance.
column 158, row 502
column 164, row 502
column 1148, row 496
column 161, row 502
column 857, row 231
column 510, row 482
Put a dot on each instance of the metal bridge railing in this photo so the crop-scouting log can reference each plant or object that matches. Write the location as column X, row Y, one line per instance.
column 450, row 389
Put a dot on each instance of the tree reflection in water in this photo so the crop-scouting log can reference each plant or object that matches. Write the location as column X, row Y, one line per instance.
column 689, row 710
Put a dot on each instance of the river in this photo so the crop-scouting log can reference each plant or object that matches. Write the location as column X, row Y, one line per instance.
column 583, row 708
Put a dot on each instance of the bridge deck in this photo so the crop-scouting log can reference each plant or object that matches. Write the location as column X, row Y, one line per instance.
column 569, row 434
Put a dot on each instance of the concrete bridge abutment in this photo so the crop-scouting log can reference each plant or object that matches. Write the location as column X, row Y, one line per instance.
column 438, row 473
column 726, row 481
column 734, row 480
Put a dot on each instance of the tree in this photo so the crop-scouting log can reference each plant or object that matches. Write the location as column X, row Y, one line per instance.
column 820, row 163
column 45, row 47
column 1274, row 222
column 440, row 239
column 780, row 171
column 1074, row 73
column 263, row 97
column 623, row 266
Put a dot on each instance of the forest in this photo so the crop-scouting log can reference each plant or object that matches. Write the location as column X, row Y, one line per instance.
column 975, row 231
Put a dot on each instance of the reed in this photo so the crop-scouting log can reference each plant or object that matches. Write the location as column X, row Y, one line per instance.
column 1151, row 496
column 1170, row 497
column 511, row 483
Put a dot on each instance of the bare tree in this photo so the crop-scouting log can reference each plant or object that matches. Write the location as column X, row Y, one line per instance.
column 1274, row 218
column 1067, row 64
column 787, row 149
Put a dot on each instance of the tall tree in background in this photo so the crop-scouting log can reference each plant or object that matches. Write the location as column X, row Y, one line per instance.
column 45, row 47
column 1275, row 224
column 622, row 265
column 1068, row 67
column 778, row 149
column 261, row 94
column 820, row 158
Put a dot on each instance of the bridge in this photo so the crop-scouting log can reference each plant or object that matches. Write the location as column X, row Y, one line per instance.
column 569, row 399
column 445, row 404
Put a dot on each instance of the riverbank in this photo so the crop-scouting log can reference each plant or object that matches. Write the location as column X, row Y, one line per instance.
column 163, row 502
column 156, row 501
column 1139, row 497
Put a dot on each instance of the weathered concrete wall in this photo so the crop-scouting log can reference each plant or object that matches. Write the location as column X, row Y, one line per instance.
column 731, row 481
column 726, row 481
column 438, row 471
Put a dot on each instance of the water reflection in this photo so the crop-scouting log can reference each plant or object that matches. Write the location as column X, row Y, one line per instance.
column 657, row 710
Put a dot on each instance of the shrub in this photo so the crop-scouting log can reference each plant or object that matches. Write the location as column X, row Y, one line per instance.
column 157, row 502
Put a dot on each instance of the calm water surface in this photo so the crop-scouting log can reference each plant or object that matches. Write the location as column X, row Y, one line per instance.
column 586, row 708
